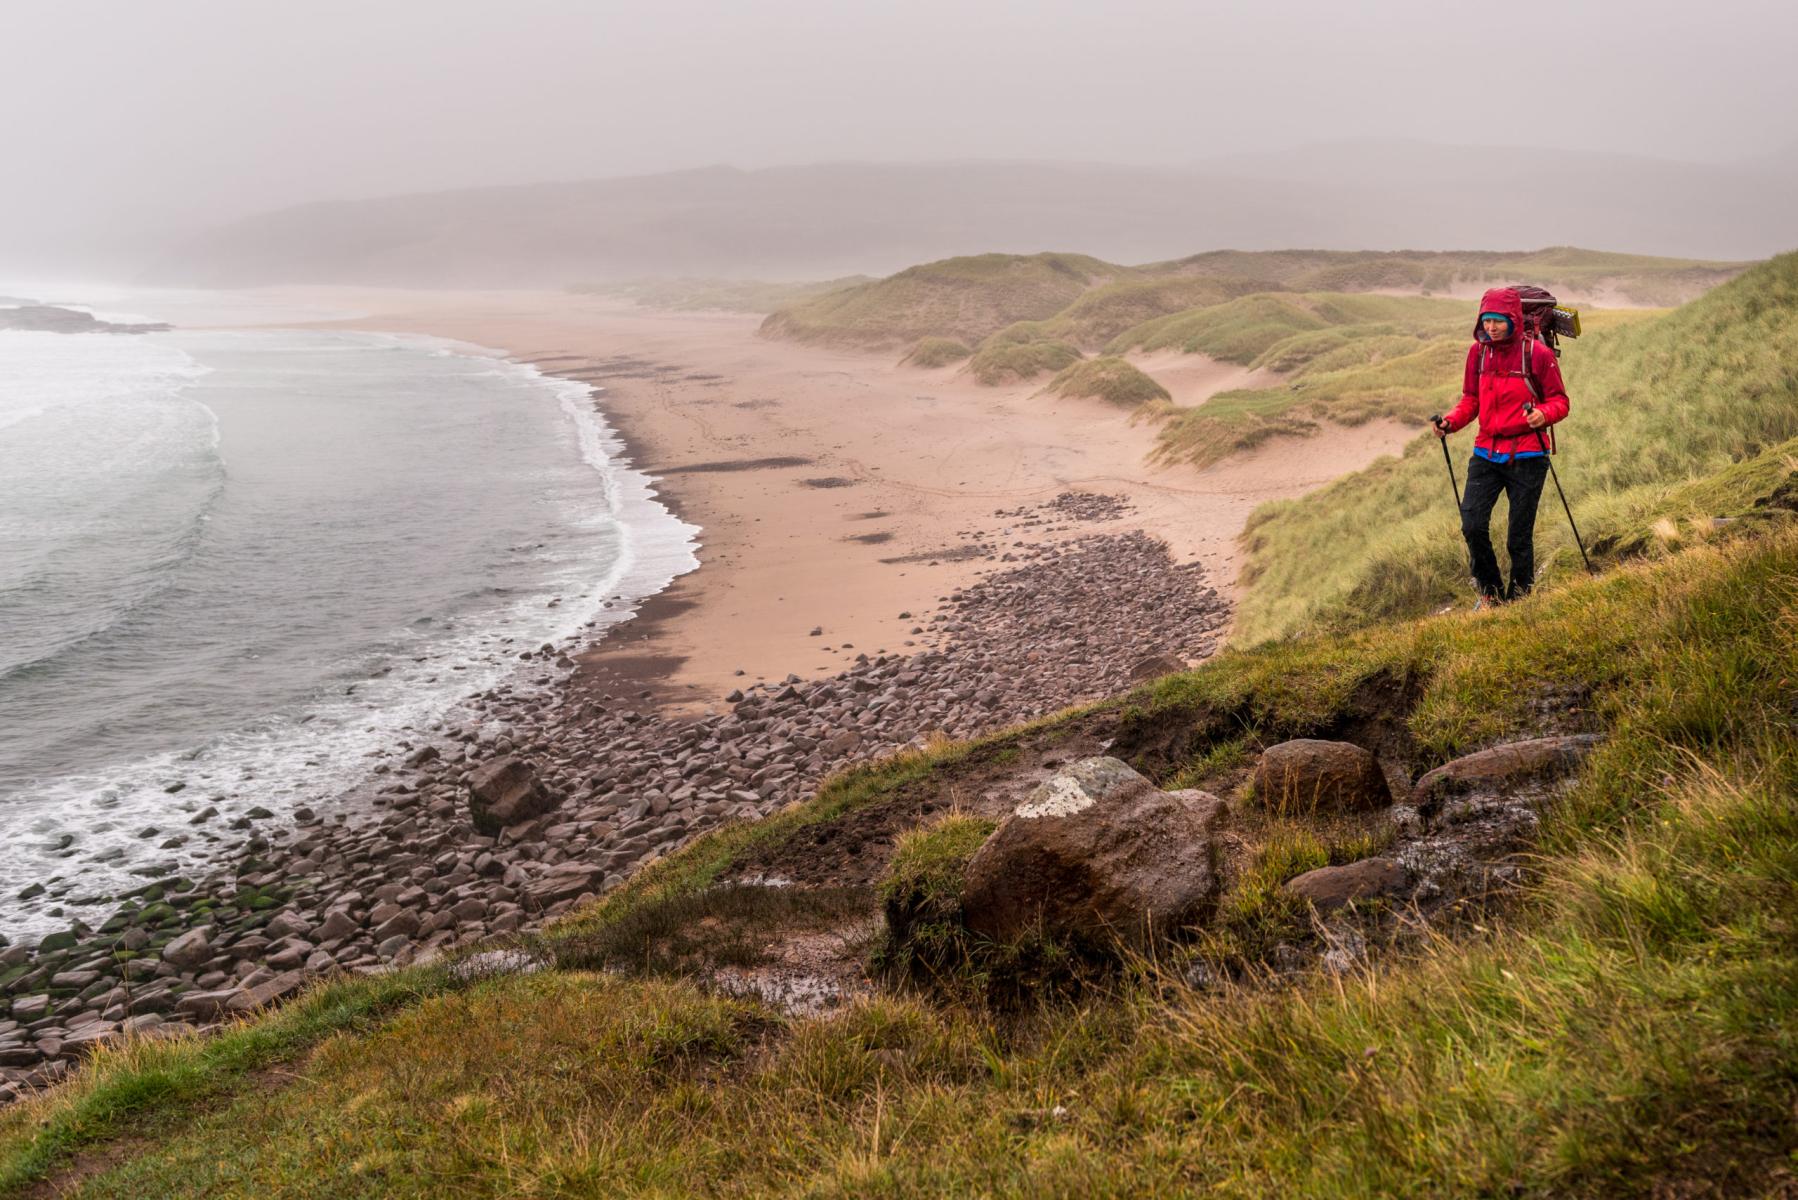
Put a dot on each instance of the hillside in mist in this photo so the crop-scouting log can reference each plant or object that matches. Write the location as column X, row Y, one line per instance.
column 838, row 219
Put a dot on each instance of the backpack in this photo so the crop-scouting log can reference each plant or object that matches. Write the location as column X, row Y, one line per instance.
column 1546, row 320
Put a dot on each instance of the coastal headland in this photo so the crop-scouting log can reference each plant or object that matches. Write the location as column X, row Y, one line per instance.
column 888, row 554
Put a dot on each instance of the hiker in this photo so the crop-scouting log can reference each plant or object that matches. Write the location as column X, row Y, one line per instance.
column 1510, row 455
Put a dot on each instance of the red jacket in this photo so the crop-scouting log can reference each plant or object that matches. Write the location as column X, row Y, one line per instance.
column 1498, row 393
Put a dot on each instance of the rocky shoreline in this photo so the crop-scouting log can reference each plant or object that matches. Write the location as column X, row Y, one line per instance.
column 50, row 318
column 584, row 787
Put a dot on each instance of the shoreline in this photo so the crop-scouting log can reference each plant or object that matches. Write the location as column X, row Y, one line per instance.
column 907, row 460
column 939, row 587
column 610, row 544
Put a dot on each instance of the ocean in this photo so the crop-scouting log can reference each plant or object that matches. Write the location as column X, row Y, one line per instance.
column 236, row 565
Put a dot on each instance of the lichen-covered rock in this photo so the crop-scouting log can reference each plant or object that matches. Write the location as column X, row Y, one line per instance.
column 506, row 792
column 1096, row 853
column 1307, row 775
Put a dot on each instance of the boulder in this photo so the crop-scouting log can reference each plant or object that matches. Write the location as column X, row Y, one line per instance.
column 337, row 925
column 266, row 993
column 1499, row 767
column 30, row 1008
column 287, row 924
column 1333, row 887
column 404, row 922
column 207, row 1005
column 189, row 950
column 506, row 792
column 563, row 883
column 94, row 1033
column 1307, row 776
column 1096, row 852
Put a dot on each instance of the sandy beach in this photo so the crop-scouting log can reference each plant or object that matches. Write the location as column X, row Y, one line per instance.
column 888, row 556
column 837, row 489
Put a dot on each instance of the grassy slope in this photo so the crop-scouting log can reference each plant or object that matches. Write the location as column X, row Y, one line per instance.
column 1628, row 1028
column 1640, row 279
column 1281, row 330
column 961, row 298
column 1086, row 302
column 1347, row 357
column 1656, row 403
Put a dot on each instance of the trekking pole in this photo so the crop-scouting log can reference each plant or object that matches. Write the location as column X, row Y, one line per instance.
column 1456, row 485
column 1555, row 475
column 1448, row 462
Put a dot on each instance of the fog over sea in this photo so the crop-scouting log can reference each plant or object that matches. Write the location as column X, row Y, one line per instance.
column 237, row 564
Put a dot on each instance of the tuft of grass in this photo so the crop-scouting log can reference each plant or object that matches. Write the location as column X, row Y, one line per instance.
column 1001, row 360
column 921, row 899
column 936, row 352
column 1109, row 379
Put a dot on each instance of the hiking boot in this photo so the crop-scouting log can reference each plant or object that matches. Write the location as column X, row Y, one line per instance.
column 1486, row 603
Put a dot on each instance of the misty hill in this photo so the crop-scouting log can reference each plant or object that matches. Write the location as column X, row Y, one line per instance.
column 840, row 219
column 1086, row 303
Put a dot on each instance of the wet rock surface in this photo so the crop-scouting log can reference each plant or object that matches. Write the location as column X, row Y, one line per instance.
column 398, row 870
column 1097, row 852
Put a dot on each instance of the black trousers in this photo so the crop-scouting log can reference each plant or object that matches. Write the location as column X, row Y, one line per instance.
column 1521, row 481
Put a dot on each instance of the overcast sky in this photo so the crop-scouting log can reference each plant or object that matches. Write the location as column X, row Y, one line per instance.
column 137, row 114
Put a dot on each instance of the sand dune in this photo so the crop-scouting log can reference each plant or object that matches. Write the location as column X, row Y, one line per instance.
column 1192, row 379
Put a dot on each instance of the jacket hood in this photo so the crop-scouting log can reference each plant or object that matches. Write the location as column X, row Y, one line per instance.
column 1499, row 300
